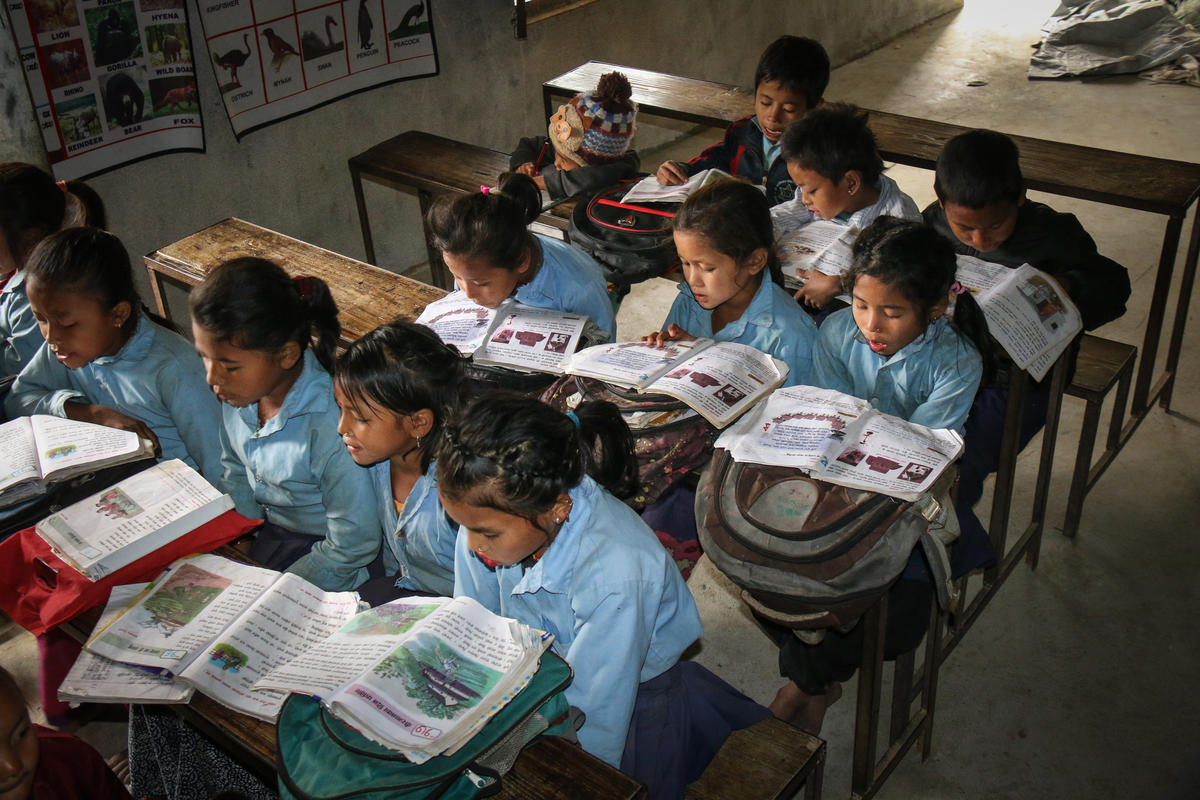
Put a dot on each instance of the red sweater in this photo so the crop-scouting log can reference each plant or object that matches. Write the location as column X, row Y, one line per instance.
column 71, row 769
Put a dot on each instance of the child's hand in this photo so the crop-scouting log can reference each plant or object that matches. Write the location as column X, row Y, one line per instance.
column 818, row 288
column 540, row 181
column 673, row 333
column 526, row 169
column 671, row 173
column 110, row 417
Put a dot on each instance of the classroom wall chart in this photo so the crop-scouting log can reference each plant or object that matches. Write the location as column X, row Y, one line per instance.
column 276, row 58
column 112, row 81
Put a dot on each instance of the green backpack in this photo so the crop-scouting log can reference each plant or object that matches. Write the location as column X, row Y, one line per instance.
column 321, row 758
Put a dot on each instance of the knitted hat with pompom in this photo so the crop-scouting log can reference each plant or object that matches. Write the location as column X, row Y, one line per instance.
column 596, row 128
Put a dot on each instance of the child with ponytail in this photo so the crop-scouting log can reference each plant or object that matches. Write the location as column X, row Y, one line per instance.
column 282, row 456
column 488, row 248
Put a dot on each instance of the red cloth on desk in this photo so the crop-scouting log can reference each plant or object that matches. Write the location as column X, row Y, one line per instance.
column 37, row 605
column 71, row 769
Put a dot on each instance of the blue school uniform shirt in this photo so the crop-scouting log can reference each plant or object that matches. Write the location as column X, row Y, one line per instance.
column 614, row 600
column 570, row 280
column 773, row 323
column 156, row 377
column 931, row 380
column 295, row 472
column 19, row 334
column 418, row 543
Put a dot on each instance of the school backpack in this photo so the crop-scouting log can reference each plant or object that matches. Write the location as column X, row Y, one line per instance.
column 322, row 758
column 808, row 554
column 670, row 440
column 632, row 241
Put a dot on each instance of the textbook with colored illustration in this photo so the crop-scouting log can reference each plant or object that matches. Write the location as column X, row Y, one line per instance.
column 720, row 380
column 841, row 439
column 419, row 675
column 511, row 335
column 40, row 450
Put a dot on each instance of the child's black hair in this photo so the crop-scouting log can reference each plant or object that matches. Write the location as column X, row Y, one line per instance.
column 403, row 367
column 490, row 225
column 93, row 263
column 735, row 218
column 253, row 304
column 920, row 263
column 799, row 63
column 831, row 141
column 977, row 169
column 33, row 205
column 517, row 455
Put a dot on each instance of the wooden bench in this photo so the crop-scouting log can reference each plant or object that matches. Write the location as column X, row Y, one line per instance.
column 367, row 296
column 1158, row 185
column 770, row 760
column 432, row 166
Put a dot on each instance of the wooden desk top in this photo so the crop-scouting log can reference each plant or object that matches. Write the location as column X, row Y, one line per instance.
column 435, row 164
column 1145, row 183
column 367, row 296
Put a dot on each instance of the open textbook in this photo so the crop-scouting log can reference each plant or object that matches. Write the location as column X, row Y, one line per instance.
column 36, row 451
column 649, row 190
column 821, row 245
column 117, row 526
column 1027, row 311
column 841, row 439
column 511, row 335
column 219, row 626
column 420, row 675
column 96, row 679
column 720, row 380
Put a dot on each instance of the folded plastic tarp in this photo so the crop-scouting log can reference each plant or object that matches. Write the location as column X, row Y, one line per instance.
column 1110, row 37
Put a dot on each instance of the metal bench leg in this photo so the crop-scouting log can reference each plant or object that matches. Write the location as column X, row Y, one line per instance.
column 363, row 221
column 1120, row 399
column 1083, row 465
column 866, row 720
column 933, row 646
column 902, row 694
column 1181, row 311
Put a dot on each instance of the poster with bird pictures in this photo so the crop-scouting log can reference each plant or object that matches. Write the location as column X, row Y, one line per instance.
column 276, row 58
column 112, row 81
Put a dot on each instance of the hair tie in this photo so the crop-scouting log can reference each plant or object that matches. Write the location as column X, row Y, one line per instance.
column 62, row 185
column 304, row 286
column 957, row 288
column 571, row 415
column 491, row 190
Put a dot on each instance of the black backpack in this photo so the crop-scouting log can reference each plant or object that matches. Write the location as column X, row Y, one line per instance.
column 632, row 241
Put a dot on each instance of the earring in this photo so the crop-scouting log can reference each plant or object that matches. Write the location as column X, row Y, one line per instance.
column 420, row 444
column 558, row 520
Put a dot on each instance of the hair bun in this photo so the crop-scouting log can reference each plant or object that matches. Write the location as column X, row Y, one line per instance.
column 613, row 92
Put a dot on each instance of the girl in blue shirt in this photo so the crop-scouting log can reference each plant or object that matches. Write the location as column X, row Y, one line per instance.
column 32, row 206
column 396, row 386
column 733, row 289
column 895, row 347
column 488, row 248
column 543, row 541
column 282, row 457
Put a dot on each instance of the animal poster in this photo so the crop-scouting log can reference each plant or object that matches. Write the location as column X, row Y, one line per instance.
column 112, row 81
column 275, row 58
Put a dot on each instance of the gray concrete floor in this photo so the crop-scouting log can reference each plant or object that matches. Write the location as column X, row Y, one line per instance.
column 1077, row 681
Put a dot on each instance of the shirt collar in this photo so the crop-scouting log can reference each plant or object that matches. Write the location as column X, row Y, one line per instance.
column 761, row 310
column 555, row 570
column 15, row 279
column 137, row 347
column 309, row 394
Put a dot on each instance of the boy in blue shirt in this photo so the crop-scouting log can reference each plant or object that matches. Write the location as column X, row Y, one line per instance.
column 982, row 209
column 790, row 80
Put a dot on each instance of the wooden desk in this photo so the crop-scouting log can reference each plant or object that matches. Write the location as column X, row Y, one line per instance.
column 367, row 296
column 1158, row 185
column 432, row 166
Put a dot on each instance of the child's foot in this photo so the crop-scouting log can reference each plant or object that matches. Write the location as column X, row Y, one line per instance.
column 802, row 710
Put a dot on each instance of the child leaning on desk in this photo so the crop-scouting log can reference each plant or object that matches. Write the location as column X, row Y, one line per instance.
column 982, row 209
column 789, row 82
column 588, row 145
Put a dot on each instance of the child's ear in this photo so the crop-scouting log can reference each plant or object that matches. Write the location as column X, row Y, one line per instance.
column 756, row 260
column 561, row 510
column 853, row 181
column 287, row 356
column 419, row 423
column 939, row 309
column 120, row 313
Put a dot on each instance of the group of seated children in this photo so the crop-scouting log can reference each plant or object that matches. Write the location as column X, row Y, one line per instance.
column 376, row 470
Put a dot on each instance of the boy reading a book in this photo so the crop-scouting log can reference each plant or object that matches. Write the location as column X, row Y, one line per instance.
column 983, row 210
column 790, row 80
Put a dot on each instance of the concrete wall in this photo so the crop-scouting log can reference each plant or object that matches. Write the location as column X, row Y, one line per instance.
column 292, row 176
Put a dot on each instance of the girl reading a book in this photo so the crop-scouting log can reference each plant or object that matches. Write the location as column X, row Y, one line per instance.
column 831, row 156
column 488, row 248
column 396, row 387
column 282, row 457
column 544, row 540
column 733, row 288
column 901, row 347
column 32, row 206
